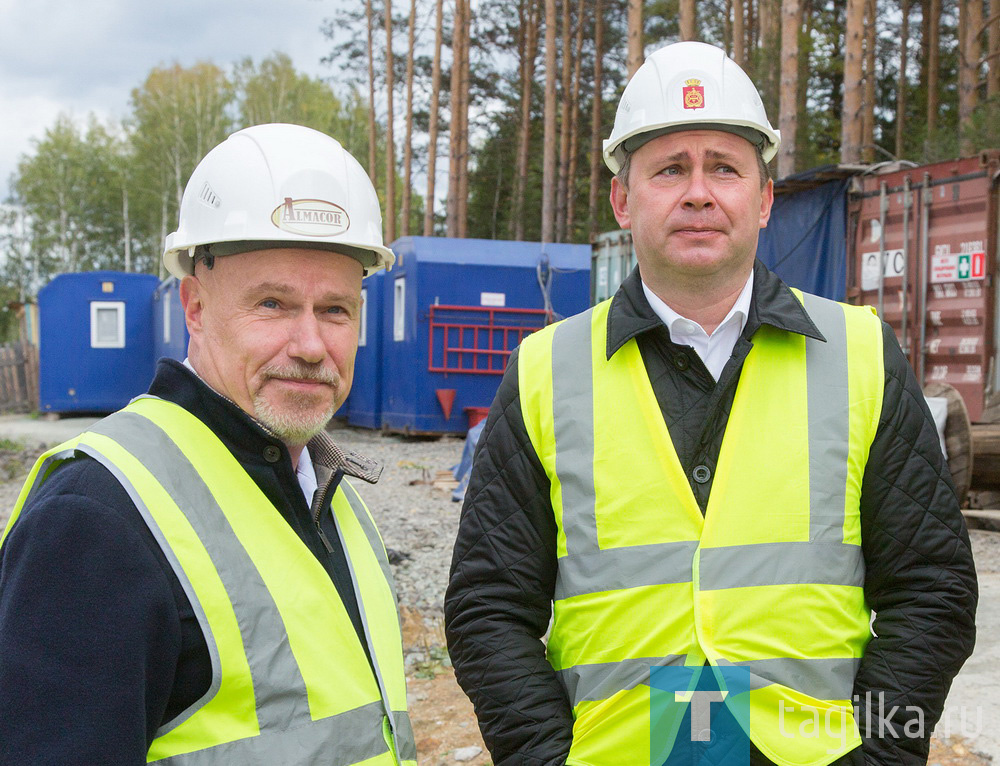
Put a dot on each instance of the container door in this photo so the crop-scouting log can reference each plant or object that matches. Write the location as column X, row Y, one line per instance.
column 925, row 257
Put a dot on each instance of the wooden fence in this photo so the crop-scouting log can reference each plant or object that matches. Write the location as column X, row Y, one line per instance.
column 18, row 377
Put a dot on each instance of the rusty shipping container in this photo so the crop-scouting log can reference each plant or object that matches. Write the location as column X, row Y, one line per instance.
column 924, row 251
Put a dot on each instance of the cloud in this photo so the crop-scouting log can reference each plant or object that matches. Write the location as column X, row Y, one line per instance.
column 81, row 57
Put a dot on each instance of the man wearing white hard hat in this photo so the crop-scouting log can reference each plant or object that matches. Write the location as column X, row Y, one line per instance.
column 708, row 483
column 195, row 580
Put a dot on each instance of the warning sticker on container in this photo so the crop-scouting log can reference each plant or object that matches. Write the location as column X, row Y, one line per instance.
column 958, row 267
column 493, row 299
column 892, row 266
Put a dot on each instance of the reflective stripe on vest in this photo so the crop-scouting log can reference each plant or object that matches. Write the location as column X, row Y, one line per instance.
column 290, row 682
column 642, row 585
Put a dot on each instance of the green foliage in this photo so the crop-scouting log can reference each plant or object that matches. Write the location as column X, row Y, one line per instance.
column 81, row 187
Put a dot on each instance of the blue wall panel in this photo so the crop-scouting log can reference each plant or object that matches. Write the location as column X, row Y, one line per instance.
column 170, row 335
column 364, row 404
column 473, row 273
column 73, row 375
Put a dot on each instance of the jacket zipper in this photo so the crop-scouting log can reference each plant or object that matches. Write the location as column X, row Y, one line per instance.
column 319, row 501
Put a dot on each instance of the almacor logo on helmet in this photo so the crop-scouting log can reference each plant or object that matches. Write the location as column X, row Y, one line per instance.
column 694, row 94
column 310, row 217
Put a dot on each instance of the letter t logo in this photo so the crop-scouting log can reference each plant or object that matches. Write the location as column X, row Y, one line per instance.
column 701, row 711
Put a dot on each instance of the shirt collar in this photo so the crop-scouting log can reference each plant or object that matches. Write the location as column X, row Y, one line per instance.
column 772, row 302
column 669, row 317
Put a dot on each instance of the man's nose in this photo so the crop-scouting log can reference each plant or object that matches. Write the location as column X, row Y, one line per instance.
column 306, row 341
column 698, row 195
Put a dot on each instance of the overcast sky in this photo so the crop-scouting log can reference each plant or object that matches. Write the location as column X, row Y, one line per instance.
column 81, row 57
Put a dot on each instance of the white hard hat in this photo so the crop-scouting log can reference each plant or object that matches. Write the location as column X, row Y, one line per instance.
column 274, row 186
column 687, row 86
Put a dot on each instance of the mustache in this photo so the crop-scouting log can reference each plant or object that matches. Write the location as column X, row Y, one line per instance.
column 316, row 374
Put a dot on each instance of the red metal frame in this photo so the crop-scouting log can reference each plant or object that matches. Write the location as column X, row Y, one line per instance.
column 481, row 327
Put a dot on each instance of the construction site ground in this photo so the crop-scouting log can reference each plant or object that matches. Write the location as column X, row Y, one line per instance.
column 418, row 519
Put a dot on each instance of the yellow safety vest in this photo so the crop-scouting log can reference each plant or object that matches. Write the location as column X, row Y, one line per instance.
column 767, row 586
column 290, row 681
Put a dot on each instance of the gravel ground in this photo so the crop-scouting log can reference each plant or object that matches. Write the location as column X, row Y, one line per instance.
column 416, row 519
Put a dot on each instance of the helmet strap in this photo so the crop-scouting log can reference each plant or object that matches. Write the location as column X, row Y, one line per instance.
column 201, row 254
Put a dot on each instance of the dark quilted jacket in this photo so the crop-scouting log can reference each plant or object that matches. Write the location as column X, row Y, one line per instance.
column 920, row 578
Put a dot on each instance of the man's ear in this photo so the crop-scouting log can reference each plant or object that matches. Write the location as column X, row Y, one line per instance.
column 193, row 300
column 619, row 203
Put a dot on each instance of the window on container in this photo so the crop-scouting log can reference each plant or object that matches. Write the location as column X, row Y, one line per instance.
column 363, row 329
column 107, row 324
column 399, row 309
column 166, row 317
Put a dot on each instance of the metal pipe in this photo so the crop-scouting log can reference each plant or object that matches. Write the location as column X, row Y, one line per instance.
column 907, row 202
column 925, row 252
column 883, row 206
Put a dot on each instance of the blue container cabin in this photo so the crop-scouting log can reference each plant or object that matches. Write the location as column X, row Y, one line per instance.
column 453, row 311
column 170, row 334
column 95, row 340
column 364, row 404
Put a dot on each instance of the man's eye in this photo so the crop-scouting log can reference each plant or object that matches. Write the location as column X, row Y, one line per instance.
column 269, row 303
column 336, row 310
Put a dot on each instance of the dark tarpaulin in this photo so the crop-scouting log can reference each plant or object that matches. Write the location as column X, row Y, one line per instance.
column 805, row 240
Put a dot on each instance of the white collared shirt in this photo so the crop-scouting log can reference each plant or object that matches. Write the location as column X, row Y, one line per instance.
column 305, row 471
column 714, row 349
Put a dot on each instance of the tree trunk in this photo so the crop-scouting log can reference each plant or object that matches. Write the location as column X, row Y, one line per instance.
column 850, row 129
column 463, row 148
column 371, row 91
column 635, row 48
column 596, row 110
column 434, row 118
column 739, row 33
column 455, row 124
column 530, row 32
column 408, row 141
column 933, row 66
column 688, row 20
column 574, row 127
column 993, row 78
column 550, row 138
column 808, row 23
column 390, row 146
column 901, row 85
column 968, row 74
column 791, row 23
column 564, row 126
column 127, row 228
column 770, row 67
column 868, row 108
